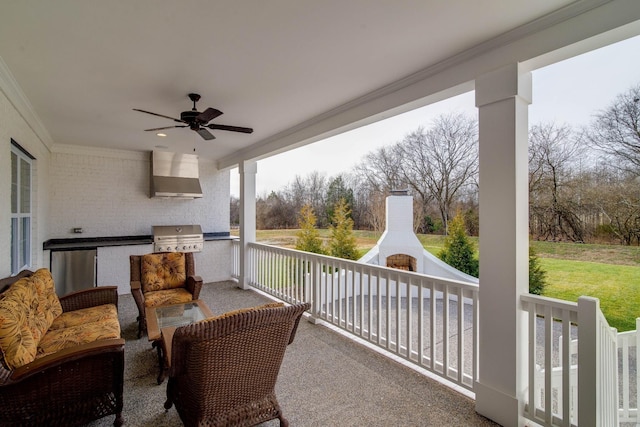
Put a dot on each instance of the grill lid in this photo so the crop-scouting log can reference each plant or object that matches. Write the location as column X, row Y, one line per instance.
column 177, row 231
column 177, row 238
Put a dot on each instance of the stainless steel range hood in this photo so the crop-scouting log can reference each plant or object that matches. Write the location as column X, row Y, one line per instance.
column 175, row 175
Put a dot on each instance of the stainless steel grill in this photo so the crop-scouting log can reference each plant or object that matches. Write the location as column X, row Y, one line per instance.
column 177, row 238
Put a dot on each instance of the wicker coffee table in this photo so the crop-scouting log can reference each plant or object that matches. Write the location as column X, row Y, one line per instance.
column 162, row 322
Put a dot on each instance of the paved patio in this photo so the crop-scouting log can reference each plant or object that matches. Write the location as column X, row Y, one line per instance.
column 326, row 379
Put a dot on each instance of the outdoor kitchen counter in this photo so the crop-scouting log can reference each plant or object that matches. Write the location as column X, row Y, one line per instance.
column 98, row 242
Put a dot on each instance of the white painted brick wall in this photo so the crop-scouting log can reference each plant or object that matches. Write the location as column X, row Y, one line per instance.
column 12, row 125
column 106, row 193
column 113, row 265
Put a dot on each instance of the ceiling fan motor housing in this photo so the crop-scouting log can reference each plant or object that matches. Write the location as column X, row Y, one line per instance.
column 189, row 117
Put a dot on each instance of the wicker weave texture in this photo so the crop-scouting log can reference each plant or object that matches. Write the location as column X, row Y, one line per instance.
column 71, row 387
column 193, row 284
column 70, row 394
column 223, row 371
column 90, row 298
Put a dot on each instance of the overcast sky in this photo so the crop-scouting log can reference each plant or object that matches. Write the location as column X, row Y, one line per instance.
column 569, row 92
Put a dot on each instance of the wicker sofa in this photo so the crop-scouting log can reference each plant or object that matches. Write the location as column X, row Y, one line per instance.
column 61, row 359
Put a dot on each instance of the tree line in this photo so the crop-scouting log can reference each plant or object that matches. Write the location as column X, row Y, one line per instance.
column 584, row 183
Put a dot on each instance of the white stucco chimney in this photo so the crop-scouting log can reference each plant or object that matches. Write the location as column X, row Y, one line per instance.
column 398, row 237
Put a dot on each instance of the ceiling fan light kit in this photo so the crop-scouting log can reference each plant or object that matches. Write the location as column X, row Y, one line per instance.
column 197, row 121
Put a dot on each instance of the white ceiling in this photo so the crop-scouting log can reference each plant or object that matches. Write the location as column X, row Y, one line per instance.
column 269, row 64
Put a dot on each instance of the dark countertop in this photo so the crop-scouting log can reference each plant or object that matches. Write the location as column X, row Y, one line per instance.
column 88, row 243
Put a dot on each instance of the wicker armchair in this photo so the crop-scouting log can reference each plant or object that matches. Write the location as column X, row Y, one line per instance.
column 160, row 279
column 223, row 370
column 70, row 387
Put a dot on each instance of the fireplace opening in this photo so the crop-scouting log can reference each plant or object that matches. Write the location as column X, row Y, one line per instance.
column 402, row 262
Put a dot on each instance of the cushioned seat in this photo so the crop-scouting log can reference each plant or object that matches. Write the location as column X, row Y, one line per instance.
column 92, row 324
column 165, row 297
column 161, row 279
column 100, row 313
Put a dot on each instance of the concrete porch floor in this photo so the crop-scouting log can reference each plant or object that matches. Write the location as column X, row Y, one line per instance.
column 325, row 379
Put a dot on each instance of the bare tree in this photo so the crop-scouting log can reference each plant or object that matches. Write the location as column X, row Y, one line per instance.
column 380, row 171
column 234, row 211
column 553, row 197
column 616, row 130
column 441, row 162
column 308, row 190
column 615, row 196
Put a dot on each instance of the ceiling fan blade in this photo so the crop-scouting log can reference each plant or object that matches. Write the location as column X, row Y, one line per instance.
column 166, row 127
column 205, row 134
column 159, row 115
column 230, row 128
column 207, row 115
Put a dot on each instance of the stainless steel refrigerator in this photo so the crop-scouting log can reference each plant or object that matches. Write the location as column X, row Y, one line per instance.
column 73, row 270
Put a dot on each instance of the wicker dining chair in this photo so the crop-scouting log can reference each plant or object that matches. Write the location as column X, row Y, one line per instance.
column 223, row 370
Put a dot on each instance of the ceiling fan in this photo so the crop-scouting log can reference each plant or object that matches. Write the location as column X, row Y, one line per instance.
column 196, row 121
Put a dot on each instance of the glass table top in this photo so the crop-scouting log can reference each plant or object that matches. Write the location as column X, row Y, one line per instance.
column 179, row 315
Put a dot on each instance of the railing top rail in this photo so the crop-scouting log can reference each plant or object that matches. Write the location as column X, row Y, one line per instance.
column 473, row 287
column 553, row 302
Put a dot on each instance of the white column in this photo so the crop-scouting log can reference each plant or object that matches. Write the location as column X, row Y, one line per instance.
column 247, row 170
column 502, row 98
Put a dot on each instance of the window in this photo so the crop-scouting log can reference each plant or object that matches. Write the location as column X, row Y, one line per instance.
column 20, row 208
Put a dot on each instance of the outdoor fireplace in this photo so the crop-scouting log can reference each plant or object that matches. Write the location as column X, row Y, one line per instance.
column 402, row 262
column 400, row 248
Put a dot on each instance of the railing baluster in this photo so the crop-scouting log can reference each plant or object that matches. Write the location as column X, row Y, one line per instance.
column 410, row 315
column 433, row 328
column 548, row 366
column 565, row 363
column 460, row 361
column 420, row 315
column 445, row 331
column 532, row 361
column 398, row 327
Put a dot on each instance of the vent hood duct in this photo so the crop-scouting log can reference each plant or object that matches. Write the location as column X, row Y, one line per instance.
column 175, row 175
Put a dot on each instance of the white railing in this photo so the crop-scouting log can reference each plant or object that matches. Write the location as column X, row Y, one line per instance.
column 428, row 321
column 235, row 256
column 569, row 345
column 415, row 317
column 551, row 328
column 629, row 375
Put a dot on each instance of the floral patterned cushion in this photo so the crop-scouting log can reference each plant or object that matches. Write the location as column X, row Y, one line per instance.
column 169, row 296
column 89, row 325
column 48, row 302
column 20, row 324
column 100, row 313
column 32, row 323
column 163, row 271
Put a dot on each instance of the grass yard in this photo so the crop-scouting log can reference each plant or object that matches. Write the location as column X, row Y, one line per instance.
column 610, row 273
column 617, row 287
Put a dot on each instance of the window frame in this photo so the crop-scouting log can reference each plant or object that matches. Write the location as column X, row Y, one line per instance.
column 21, row 222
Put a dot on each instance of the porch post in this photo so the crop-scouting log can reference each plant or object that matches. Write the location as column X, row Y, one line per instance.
column 502, row 98
column 247, row 170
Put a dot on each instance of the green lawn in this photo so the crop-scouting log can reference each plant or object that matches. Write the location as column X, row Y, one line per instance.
column 610, row 273
column 616, row 286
